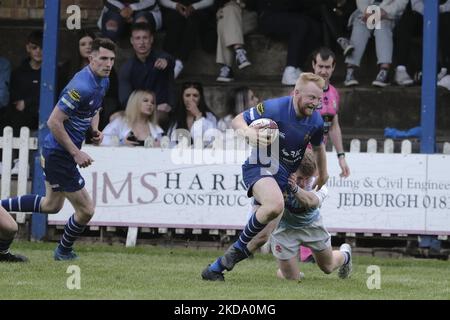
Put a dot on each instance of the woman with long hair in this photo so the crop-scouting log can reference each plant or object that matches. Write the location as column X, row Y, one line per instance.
column 137, row 123
column 193, row 114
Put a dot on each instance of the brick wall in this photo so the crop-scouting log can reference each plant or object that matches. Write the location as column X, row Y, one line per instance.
column 34, row 9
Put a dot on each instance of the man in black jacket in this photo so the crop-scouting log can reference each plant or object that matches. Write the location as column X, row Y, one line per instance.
column 23, row 110
column 147, row 70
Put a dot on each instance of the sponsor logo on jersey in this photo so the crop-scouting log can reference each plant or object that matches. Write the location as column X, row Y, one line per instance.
column 260, row 108
column 74, row 95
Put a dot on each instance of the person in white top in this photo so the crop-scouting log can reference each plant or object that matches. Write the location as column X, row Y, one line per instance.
column 193, row 115
column 137, row 124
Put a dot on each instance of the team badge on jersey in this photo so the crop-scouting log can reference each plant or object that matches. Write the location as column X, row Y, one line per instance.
column 260, row 108
column 74, row 95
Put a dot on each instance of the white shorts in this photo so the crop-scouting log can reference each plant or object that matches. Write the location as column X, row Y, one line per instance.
column 285, row 242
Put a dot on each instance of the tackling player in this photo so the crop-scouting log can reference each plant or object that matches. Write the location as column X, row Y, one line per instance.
column 301, row 224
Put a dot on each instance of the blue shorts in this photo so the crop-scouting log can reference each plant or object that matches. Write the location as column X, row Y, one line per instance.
column 252, row 173
column 61, row 171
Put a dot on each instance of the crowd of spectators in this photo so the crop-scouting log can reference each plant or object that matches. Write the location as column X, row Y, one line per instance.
column 142, row 104
column 221, row 26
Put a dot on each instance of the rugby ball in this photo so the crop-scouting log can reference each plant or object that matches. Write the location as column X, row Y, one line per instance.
column 264, row 123
column 267, row 128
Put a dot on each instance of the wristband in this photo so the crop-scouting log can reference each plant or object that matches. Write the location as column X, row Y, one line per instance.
column 341, row 154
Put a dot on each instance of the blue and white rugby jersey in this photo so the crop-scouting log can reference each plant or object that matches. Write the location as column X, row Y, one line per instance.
column 81, row 99
column 294, row 133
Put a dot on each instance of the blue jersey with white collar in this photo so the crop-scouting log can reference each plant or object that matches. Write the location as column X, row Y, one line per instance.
column 81, row 99
column 294, row 133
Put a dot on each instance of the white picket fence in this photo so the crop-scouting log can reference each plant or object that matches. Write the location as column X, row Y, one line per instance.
column 24, row 144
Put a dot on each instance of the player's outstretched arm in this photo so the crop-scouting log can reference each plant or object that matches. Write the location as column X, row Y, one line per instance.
column 307, row 199
column 311, row 199
column 56, row 125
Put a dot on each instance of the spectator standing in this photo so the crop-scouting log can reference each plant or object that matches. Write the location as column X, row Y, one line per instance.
column 324, row 63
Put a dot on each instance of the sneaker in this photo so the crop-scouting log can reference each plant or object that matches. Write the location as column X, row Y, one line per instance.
column 290, row 76
column 402, row 77
column 350, row 79
column 232, row 256
column 346, row 46
column 177, row 69
column 210, row 275
column 241, row 58
column 442, row 74
column 9, row 257
column 444, row 82
column 225, row 75
column 346, row 269
column 381, row 79
column 60, row 256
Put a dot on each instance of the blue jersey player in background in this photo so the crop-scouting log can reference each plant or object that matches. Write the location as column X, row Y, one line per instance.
column 299, row 124
column 76, row 112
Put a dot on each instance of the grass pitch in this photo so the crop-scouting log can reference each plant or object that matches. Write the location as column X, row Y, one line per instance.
column 147, row 272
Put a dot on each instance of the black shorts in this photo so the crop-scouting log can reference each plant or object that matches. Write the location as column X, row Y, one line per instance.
column 61, row 171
